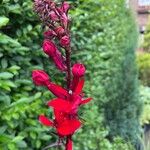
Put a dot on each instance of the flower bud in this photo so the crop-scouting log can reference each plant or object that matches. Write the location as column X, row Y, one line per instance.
column 65, row 41
column 59, row 62
column 65, row 7
column 60, row 31
column 40, row 78
column 49, row 48
column 49, row 34
column 78, row 70
column 53, row 16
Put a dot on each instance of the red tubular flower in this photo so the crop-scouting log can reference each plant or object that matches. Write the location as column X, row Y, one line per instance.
column 65, row 41
column 63, row 124
column 57, row 90
column 40, row 78
column 51, row 50
column 78, row 71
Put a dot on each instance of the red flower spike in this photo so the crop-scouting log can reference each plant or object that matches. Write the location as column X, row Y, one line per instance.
column 65, row 41
column 57, row 90
column 55, row 18
column 79, row 87
column 45, row 121
column 68, row 127
column 83, row 102
column 40, row 78
column 69, row 144
column 60, row 105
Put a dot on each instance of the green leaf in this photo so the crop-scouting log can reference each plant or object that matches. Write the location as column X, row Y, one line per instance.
column 22, row 144
column 17, row 139
column 3, row 21
column 6, row 75
column 3, row 129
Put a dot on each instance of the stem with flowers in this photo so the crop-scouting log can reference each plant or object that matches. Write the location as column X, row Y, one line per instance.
column 70, row 97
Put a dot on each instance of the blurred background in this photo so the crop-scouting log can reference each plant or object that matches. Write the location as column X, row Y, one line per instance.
column 112, row 38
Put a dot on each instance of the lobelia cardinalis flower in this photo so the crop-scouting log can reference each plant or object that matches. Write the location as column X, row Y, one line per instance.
column 78, row 71
column 51, row 50
column 40, row 78
column 68, row 99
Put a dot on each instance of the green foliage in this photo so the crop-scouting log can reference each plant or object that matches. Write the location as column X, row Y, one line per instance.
column 104, row 40
column 143, row 61
column 146, row 44
column 145, row 97
column 107, row 45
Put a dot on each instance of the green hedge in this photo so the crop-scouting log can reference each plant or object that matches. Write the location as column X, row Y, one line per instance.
column 107, row 46
column 100, row 40
column 143, row 61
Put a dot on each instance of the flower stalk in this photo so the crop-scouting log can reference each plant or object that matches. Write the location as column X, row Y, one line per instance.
column 70, row 97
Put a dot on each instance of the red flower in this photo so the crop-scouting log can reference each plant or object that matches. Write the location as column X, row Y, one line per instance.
column 57, row 90
column 65, row 41
column 51, row 50
column 65, row 110
column 64, row 125
column 78, row 71
column 40, row 78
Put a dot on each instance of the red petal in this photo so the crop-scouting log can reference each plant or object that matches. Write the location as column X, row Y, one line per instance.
column 68, row 127
column 45, row 121
column 57, row 90
column 86, row 101
column 69, row 144
column 79, row 87
column 60, row 105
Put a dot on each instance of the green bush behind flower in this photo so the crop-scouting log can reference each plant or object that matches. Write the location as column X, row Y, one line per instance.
column 104, row 40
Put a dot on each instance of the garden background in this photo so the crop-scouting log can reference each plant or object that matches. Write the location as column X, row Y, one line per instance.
column 104, row 38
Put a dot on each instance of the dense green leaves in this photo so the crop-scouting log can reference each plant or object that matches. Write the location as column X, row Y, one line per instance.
column 103, row 40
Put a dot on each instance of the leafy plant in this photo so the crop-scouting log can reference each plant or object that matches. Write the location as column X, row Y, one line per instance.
column 143, row 62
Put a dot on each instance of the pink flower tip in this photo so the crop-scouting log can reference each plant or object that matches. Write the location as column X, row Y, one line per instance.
column 49, row 34
column 65, row 41
column 78, row 70
column 40, row 78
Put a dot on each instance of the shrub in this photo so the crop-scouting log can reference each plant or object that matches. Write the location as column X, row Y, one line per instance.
column 143, row 61
column 102, row 41
column 107, row 45
column 146, row 43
